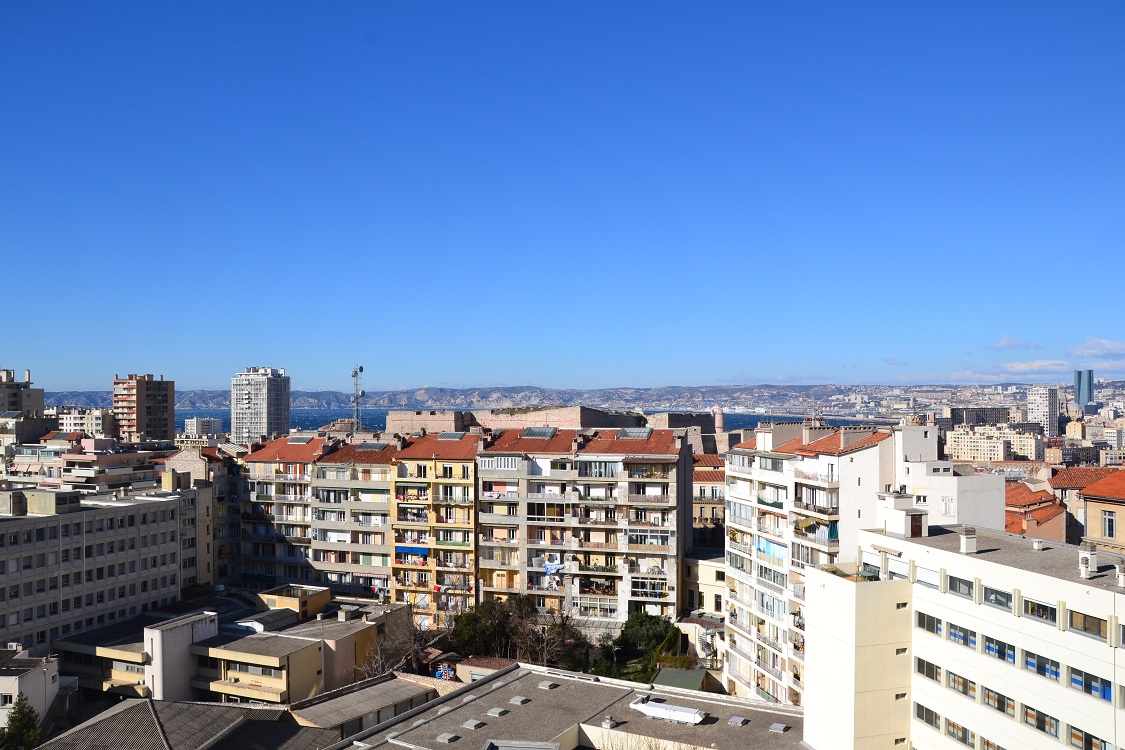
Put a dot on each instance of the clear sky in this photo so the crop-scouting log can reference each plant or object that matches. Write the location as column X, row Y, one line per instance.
column 577, row 194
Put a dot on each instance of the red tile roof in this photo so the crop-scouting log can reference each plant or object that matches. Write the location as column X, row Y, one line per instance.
column 1018, row 493
column 830, row 444
column 748, row 445
column 792, row 446
column 659, row 443
column 282, row 450
column 1014, row 519
column 709, row 475
column 513, row 441
column 1112, row 487
column 707, row 459
column 433, row 447
column 1080, row 477
column 352, row 454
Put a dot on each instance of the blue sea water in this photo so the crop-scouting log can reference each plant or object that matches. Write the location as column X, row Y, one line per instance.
column 310, row 419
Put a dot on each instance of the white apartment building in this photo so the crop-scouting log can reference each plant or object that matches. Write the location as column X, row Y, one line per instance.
column 966, row 638
column 797, row 496
column 259, row 405
column 1043, row 408
column 98, row 423
column 203, row 426
column 992, row 443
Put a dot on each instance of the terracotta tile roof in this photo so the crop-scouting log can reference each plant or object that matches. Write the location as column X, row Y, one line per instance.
column 748, row 445
column 1014, row 519
column 353, row 454
column 1112, row 487
column 1080, row 477
column 707, row 459
column 50, row 435
column 283, row 450
column 659, row 443
column 211, row 453
column 792, row 446
column 830, row 444
column 433, row 447
column 1018, row 493
column 709, row 475
column 513, row 441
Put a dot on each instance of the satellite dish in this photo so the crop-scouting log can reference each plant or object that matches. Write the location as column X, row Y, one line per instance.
column 361, row 368
column 362, row 394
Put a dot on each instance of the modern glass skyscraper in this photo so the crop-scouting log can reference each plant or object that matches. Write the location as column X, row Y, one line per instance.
column 1083, row 386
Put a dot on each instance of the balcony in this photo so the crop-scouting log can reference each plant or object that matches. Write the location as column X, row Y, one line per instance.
column 549, row 519
column 774, row 671
column 770, row 502
column 797, row 590
column 455, row 564
column 539, row 588
column 765, row 696
column 650, row 499
column 831, row 480
column 775, row 645
column 498, row 540
column 588, row 521
column 648, row 594
column 796, row 653
column 280, row 477
column 599, row 545
column 745, row 549
column 414, row 518
column 599, row 569
column 770, row 586
column 820, row 540
column 453, row 543
column 798, row 621
column 827, row 512
column 774, row 531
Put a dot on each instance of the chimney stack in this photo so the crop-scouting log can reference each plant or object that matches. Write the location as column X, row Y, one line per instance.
column 968, row 541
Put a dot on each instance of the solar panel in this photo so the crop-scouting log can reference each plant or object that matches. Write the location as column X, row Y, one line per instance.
column 302, row 440
column 450, row 436
column 634, row 433
column 371, row 446
column 540, row 432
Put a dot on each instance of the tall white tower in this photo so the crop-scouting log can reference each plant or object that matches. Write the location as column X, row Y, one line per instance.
column 259, row 404
column 1043, row 407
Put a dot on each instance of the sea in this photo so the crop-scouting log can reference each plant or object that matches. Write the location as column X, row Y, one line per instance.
column 376, row 419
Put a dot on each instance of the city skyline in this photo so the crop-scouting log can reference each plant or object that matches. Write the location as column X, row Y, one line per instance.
column 876, row 194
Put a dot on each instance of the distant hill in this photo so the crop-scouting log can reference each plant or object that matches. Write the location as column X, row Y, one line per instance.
column 650, row 399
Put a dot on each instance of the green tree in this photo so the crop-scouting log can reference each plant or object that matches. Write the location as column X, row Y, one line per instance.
column 644, row 632
column 22, row 732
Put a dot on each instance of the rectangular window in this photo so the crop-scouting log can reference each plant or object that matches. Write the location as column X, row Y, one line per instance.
column 928, row 622
column 1040, row 611
column 961, row 635
column 926, row 669
column 1041, row 721
column 1041, row 665
column 960, row 586
column 999, row 649
column 1086, row 741
column 999, row 702
column 1109, row 524
column 1091, row 685
column 959, row 684
column 927, row 716
column 960, row 733
column 1087, row 624
column 998, row 598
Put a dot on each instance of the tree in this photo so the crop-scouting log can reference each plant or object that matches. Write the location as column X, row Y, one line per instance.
column 400, row 647
column 22, row 732
column 644, row 632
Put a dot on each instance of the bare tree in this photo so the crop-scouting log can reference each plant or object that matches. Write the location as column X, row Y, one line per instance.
column 399, row 647
column 541, row 638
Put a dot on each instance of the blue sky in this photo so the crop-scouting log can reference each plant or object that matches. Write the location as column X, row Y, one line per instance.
column 562, row 194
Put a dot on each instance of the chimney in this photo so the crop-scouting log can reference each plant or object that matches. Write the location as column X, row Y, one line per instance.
column 1037, row 544
column 1087, row 559
column 968, row 541
column 27, row 376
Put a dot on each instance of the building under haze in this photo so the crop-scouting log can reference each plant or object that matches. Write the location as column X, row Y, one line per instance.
column 1084, row 387
column 259, row 404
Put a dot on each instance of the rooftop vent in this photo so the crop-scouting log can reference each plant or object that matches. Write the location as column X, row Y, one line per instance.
column 548, row 685
column 473, row 724
column 668, row 712
column 608, row 722
column 518, row 700
column 1037, row 545
column 738, row 721
column 968, row 541
column 779, row 728
column 497, row 712
column 447, row 737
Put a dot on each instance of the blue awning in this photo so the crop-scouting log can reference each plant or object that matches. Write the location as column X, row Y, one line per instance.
column 413, row 550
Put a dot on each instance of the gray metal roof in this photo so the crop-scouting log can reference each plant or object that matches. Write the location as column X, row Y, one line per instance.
column 333, row 710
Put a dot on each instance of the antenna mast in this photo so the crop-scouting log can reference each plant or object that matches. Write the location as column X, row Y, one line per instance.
column 357, row 394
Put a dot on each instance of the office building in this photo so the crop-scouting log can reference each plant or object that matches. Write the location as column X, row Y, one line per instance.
column 1043, row 408
column 589, row 522
column 964, row 637
column 1084, row 387
column 144, row 407
column 797, row 496
column 259, row 405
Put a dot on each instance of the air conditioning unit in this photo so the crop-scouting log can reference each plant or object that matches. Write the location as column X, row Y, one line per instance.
column 15, row 646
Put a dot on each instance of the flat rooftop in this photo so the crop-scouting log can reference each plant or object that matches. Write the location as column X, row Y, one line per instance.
column 1055, row 559
column 259, row 644
column 546, row 714
column 340, row 706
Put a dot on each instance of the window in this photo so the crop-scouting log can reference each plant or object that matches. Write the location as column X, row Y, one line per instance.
column 998, row 598
column 1086, row 741
column 1091, row 685
column 961, row 635
column 999, row 702
column 1109, row 524
column 926, row 669
column 1087, row 624
column 960, row 586
column 927, row 716
column 1040, row 611
column 960, row 733
column 999, row 649
column 961, row 685
column 1041, row 665
column 1041, row 721
column 928, row 622
column 7, row 699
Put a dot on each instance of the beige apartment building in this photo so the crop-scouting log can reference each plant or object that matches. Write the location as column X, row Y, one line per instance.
column 1103, row 508
column 590, row 522
column 144, row 407
column 991, row 443
column 19, row 396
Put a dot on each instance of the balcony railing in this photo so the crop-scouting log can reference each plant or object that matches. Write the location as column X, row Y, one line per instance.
column 770, row 642
column 660, row 499
column 765, row 696
column 769, row 586
column 770, row 502
column 812, row 476
column 821, row 539
column 824, row 510
column 768, row 669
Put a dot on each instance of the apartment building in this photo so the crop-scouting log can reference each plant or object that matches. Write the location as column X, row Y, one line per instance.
column 1043, row 408
column 203, row 426
column 797, row 494
column 144, row 407
column 19, row 396
column 259, row 404
column 708, row 500
column 214, row 469
column 93, row 422
column 965, row 637
column 433, row 520
column 591, row 522
column 277, row 511
column 1103, row 504
column 36, row 678
column 70, row 562
column 989, row 443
